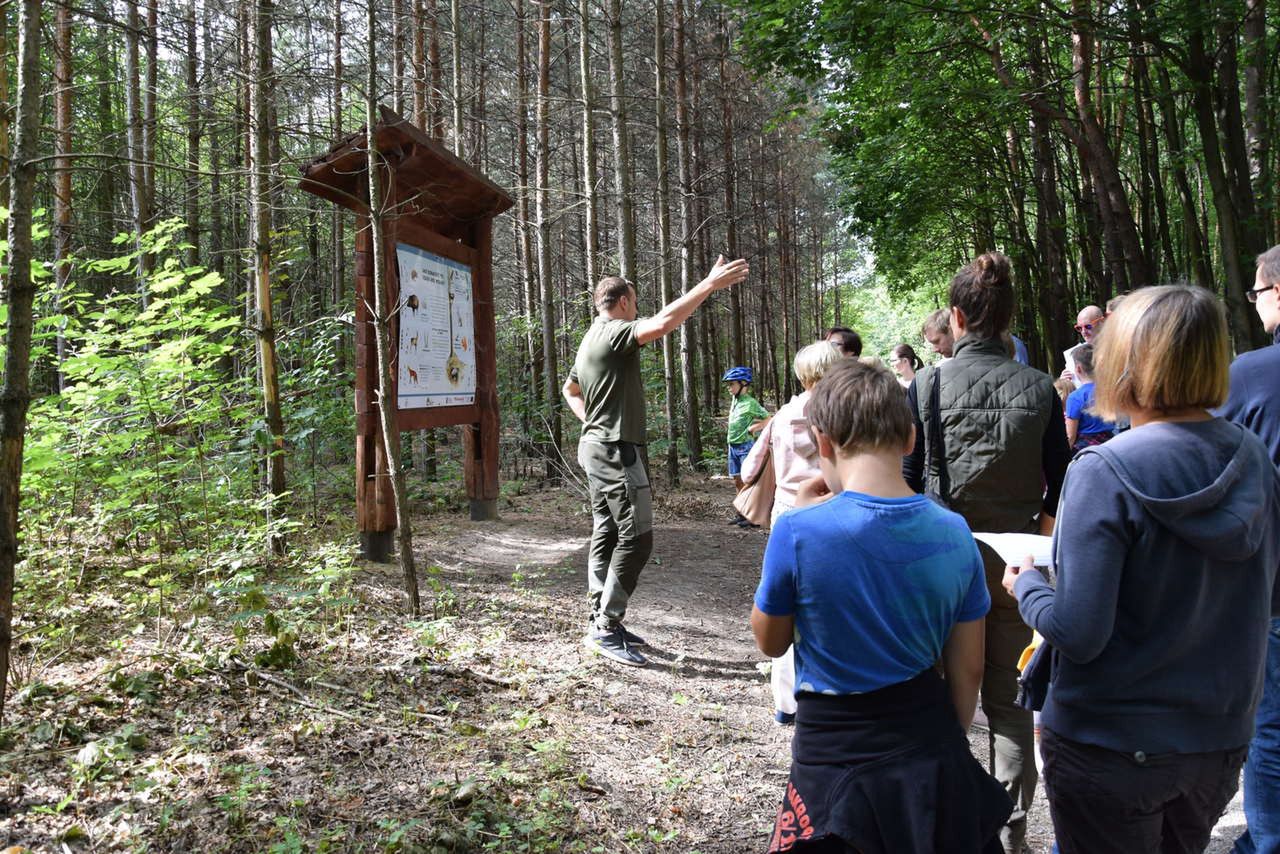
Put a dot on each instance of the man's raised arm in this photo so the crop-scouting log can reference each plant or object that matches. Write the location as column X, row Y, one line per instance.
column 723, row 275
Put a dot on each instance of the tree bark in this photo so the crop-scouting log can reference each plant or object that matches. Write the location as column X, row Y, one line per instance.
column 382, row 335
column 662, row 167
column 621, row 146
column 265, row 324
column 688, row 343
column 62, row 202
column 455, row 20
column 550, row 362
column 17, row 297
column 590, row 168
column 192, row 183
column 137, row 173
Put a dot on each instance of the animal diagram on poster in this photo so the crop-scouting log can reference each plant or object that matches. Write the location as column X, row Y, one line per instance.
column 437, row 331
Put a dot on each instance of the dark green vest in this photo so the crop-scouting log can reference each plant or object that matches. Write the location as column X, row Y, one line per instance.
column 993, row 413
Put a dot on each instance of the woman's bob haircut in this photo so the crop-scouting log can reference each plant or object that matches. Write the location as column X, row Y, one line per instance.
column 1165, row 349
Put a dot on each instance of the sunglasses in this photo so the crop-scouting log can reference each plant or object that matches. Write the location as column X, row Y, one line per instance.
column 1253, row 293
column 1086, row 327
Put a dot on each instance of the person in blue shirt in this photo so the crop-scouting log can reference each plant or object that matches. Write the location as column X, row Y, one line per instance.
column 1085, row 427
column 873, row 584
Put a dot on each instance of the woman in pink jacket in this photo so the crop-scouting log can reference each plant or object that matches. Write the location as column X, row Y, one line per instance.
column 795, row 460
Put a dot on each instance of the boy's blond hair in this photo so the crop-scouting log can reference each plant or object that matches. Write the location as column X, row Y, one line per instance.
column 812, row 361
column 860, row 407
column 1164, row 349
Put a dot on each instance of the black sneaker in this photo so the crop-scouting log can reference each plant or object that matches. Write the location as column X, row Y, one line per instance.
column 629, row 636
column 612, row 644
column 632, row 638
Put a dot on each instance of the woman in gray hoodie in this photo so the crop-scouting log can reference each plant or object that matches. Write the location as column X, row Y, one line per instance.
column 1166, row 550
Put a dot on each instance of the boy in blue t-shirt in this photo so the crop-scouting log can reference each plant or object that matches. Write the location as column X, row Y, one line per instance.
column 875, row 584
column 1084, row 428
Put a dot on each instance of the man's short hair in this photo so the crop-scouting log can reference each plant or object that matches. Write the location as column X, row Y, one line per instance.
column 1269, row 266
column 860, row 407
column 811, row 362
column 983, row 290
column 609, row 290
column 939, row 323
column 850, row 341
column 1165, row 348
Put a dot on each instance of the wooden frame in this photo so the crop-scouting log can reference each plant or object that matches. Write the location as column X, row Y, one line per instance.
column 440, row 204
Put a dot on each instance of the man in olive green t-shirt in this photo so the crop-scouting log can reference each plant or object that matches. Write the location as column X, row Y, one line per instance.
column 606, row 391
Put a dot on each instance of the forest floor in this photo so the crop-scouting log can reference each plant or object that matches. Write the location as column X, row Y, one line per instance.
column 483, row 725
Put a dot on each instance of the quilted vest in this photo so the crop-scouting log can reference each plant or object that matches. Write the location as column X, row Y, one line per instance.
column 993, row 413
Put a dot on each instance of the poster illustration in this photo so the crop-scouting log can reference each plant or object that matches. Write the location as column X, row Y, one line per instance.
column 437, row 331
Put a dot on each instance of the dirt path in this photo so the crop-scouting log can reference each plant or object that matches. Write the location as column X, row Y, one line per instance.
column 485, row 725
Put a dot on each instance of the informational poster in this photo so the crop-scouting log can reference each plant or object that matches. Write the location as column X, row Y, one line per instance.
column 437, row 331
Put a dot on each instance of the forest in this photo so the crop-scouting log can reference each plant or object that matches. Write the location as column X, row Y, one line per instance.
column 194, row 656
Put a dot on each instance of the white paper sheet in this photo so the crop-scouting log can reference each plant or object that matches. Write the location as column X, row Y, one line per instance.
column 1012, row 548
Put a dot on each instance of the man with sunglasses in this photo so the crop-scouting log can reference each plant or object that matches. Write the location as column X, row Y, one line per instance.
column 1089, row 322
column 1254, row 402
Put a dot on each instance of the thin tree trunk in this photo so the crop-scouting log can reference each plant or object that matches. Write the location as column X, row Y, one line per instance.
column 528, row 277
column 62, row 202
column 262, row 262
column 590, row 169
column 550, row 362
column 455, row 20
column 662, row 168
column 436, row 98
column 688, row 344
column 192, row 187
column 136, row 148
column 382, row 336
column 730, row 214
column 621, row 146
column 18, row 296
column 149, row 96
column 397, row 56
column 421, row 103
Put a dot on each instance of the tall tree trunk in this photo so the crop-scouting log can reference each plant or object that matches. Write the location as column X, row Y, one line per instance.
column 192, row 188
column 621, row 146
column 338, row 283
column 261, row 180
column 550, row 369
column 662, row 167
column 1255, row 113
column 397, row 56
column 730, row 177
column 590, row 168
column 1230, row 231
column 382, row 313
column 436, row 105
column 459, row 132
column 688, row 343
column 421, row 103
column 149, row 96
column 62, row 77
column 137, row 172
column 17, row 298
column 528, row 277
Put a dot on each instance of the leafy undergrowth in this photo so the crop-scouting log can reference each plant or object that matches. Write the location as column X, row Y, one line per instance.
column 292, row 707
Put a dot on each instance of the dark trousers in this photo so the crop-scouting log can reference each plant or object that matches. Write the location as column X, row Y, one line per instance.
column 1107, row 802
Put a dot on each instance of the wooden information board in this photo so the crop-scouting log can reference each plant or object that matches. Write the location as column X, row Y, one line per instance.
column 438, row 231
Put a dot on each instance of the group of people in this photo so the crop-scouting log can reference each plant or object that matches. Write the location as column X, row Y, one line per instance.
column 1160, row 604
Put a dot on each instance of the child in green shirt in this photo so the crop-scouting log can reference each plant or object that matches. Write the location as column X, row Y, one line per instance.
column 746, row 418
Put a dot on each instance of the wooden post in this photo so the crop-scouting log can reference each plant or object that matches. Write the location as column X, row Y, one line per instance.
column 481, row 439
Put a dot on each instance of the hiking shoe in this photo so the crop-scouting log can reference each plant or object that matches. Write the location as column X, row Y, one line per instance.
column 632, row 638
column 782, row 718
column 612, row 644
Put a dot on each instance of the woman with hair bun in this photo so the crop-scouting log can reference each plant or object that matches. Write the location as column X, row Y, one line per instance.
column 1166, row 555
column 990, row 437
column 905, row 362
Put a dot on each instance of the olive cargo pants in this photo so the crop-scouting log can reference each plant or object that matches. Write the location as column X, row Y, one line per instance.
column 622, row 526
